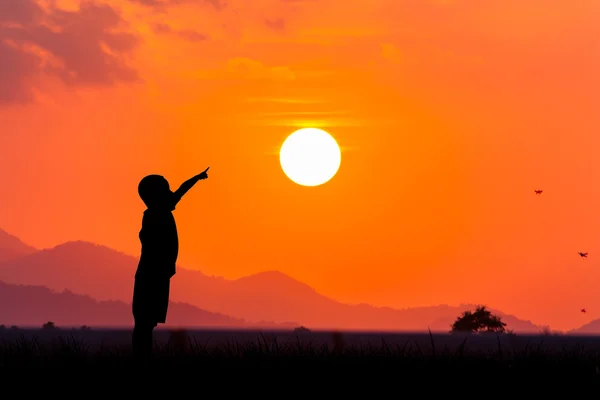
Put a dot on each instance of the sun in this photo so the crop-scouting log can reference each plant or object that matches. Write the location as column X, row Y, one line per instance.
column 310, row 157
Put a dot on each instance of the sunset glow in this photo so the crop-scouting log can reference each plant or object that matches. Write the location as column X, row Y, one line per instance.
column 448, row 115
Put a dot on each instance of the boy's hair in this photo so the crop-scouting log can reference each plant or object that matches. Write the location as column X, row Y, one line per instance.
column 151, row 187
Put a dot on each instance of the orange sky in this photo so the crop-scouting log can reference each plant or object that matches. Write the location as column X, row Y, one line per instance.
column 449, row 113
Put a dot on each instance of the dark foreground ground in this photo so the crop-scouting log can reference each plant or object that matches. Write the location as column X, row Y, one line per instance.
column 223, row 362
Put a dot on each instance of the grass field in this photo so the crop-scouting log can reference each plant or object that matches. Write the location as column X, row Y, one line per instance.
column 318, row 359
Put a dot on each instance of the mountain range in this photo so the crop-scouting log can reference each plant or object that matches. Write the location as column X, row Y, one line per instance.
column 31, row 306
column 11, row 247
column 99, row 278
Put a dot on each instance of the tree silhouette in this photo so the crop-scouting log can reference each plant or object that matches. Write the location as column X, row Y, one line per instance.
column 301, row 329
column 48, row 325
column 480, row 320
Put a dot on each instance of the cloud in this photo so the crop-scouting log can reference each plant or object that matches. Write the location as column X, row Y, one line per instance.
column 81, row 48
column 284, row 100
column 246, row 68
column 163, row 5
column 186, row 34
column 276, row 24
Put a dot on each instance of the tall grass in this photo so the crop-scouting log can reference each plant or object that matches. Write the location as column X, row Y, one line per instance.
column 266, row 352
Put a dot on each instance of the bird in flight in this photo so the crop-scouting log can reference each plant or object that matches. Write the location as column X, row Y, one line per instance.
column 583, row 310
column 538, row 191
column 583, row 255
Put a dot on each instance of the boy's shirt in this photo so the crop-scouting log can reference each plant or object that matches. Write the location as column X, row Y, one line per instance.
column 160, row 244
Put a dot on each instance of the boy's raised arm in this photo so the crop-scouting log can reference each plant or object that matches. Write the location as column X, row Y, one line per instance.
column 187, row 185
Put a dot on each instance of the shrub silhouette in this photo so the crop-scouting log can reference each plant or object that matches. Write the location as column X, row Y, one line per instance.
column 179, row 341
column 480, row 320
column 546, row 330
column 338, row 343
column 49, row 325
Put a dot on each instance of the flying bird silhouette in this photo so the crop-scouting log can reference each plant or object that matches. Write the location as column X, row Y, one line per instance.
column 538, row 191
column 583, row 255
column 583, row 310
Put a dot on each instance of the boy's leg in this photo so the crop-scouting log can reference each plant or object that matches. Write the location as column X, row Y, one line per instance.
column 142, row 307
column 141, row 341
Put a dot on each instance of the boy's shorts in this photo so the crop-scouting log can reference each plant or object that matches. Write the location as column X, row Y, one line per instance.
column 151, row 300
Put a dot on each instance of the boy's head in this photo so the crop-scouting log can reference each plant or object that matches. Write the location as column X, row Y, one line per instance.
column 156, row 192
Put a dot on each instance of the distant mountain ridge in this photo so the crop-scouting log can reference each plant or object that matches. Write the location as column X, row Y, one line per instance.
column 105, row 274
column 34, row 305
column 591, row 328
column 11, row 247
column 31, row 306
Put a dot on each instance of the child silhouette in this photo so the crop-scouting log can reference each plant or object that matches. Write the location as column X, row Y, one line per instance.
column 160, row 247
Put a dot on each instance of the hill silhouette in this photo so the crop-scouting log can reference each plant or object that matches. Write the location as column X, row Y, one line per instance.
column 591, row 328
column 106, row 274
column 11, row 247
column 31, row 306
column 82, row 267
